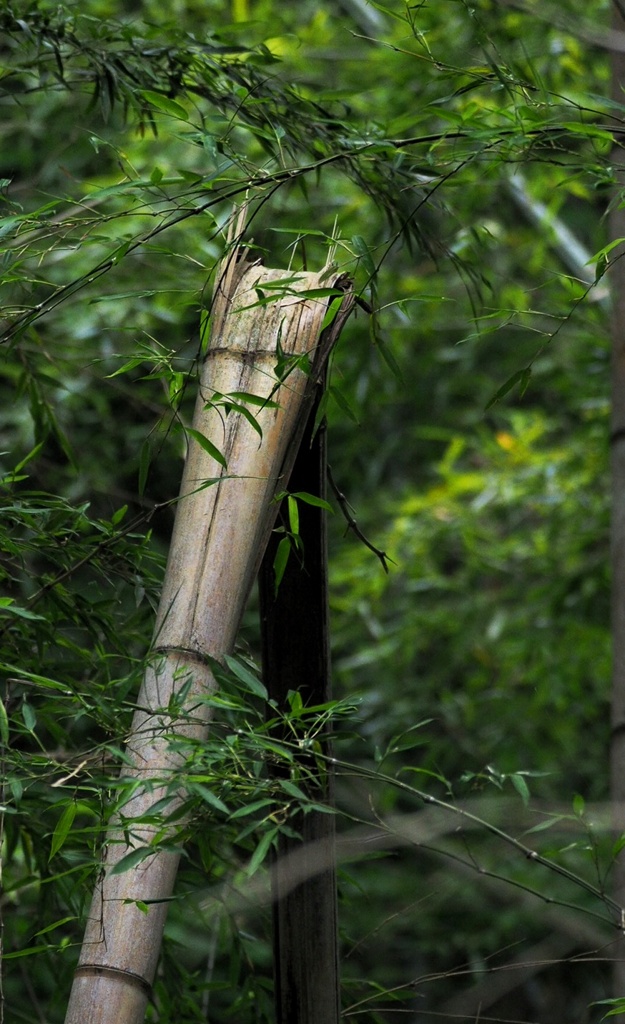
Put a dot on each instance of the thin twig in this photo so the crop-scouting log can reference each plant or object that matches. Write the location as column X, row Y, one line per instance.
column 353, row 525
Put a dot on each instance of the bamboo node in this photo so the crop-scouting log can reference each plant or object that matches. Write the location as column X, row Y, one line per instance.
column 92, row 970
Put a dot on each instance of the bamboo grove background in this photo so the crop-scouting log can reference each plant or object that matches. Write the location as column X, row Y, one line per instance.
column 462, row 163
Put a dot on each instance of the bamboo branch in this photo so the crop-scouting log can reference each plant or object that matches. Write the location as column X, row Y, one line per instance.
column 353, row 525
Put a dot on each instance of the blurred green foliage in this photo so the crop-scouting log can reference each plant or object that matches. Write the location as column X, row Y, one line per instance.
column 388, row 135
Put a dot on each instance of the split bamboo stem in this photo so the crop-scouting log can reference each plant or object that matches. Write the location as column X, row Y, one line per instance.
column 220, row 533
column 295, row 637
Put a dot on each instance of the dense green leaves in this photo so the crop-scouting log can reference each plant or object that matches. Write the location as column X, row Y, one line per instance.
column 455, row 160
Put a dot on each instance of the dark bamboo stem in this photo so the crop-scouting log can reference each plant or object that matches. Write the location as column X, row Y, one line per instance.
column 296, row 656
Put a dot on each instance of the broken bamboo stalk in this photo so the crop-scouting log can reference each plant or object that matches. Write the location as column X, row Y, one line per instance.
column 261, row 320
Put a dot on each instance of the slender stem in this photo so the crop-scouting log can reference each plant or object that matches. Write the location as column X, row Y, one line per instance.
column 353, row 525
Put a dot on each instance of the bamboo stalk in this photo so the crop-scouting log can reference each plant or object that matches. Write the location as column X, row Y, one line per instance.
column 296, row 656
column 219, row 537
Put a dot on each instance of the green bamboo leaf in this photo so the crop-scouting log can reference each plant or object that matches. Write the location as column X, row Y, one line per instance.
column 208, row 446
column 130, row 365
column 332, row 310
column 137, row 293
column 321, row 412
column 4, row 725
column 132, row 859
column 117, row 517
column 256, row 805
column 280, row 561
column 388, row 357
column 245, row 396
column 145, row 458
column 43, row 681
column 544, row 825
column 362, row 250
column 521, row 377
column 31, row 951
column 618, row 1004
column 311, row 499
column 261, row 851
column 209, row 797
column 591, row 130
column 243, row 674
column 342, row 402
column 293, row 790
column 29, row 716
column 63, row 829
column 521, row 787
column 166, row 105
column 607, row 248
column 249, row 416
column 320, row 293
column 55, row 924
column 7, row 605
column 31, row 455
column 293, row 514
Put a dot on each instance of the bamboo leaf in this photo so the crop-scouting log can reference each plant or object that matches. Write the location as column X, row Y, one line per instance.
column 44, row 681
column 521, row 377
column 130, row 365
column 7, row 604
column 332, row 310
column 144, row 465
column 342, row 402
column 280, row 560
column 63, row 829
column 132, row 859
column 208, row 446
column 293, row 790
column 386, row 353
column 243, row 674
column 31, row 455
column 166, row 105
column 261, row 851
column 4, row 725
column 249, row 416
column 311, row 499
column 591, row 130
column 29, row 716
column 544, row 825
column 257, row 805
column 245, row 396
column 293, row 514
column 117, row 517
column 521, row 787
column 31, row 951
column 55, row 924
column 209, row 797
column 363, row 251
